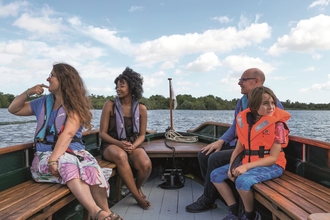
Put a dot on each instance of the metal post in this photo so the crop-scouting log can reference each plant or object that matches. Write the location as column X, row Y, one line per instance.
column 171, row 117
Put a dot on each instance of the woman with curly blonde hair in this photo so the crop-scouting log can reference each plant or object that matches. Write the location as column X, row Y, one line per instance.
column 60, row 155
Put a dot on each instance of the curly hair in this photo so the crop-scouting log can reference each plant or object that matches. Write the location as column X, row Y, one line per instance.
column 73, row 92
column 134, row 81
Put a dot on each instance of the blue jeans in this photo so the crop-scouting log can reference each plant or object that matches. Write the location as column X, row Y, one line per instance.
column 207, row 164
column 250, row 177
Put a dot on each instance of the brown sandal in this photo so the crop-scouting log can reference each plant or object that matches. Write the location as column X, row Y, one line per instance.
column 96, row 217
column 114, row 216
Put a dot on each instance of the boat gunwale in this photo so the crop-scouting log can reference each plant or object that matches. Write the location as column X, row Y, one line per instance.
column 151, row 134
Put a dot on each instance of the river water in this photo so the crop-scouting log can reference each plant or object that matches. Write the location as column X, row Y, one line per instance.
column 311, row 124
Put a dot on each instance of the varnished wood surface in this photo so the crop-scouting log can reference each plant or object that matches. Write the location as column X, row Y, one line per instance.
column 319, row 216
column 157, row 148
column 25, row 200
column 293, row 197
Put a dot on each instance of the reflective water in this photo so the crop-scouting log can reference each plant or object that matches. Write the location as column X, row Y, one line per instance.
column 311, row 124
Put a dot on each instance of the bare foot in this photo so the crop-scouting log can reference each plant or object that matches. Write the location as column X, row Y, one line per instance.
column 141, row 193
column 145, row 204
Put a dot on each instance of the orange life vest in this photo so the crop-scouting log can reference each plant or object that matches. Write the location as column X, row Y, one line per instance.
column 258, row 138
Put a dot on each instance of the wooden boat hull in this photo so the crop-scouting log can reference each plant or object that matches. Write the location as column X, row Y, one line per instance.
column 306, row 157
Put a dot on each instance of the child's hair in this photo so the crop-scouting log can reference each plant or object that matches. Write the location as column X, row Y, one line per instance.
column 255, row 98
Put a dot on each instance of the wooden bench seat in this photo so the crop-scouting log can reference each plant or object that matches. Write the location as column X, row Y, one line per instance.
column 293, row 197
column 32, row 200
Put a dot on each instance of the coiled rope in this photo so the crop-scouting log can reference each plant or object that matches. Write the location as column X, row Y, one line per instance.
column 175, row 136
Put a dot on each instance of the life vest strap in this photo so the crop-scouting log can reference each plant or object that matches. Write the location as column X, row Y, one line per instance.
column 261, row 152
column 44, row 140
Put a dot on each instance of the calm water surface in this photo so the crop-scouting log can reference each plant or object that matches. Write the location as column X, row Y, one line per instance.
column 311, row 124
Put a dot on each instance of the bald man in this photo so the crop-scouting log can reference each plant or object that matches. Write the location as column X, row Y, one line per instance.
column 219, row 152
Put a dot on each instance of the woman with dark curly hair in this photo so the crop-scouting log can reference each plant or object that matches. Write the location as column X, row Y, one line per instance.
column 60, row 155
column 123, row 127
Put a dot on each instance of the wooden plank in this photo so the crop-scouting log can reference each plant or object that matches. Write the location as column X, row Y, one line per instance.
column 55, row 207
column 37, row 203
column 8, row 192
column 299, row 197
column 271, row 206
column 308, row 183
column 319, row 216
column 21, row 197
column 312, row 194
column 279, row 202
column 37, row 198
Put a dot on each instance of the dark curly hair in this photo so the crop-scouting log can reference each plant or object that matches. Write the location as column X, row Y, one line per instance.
column 134, row 81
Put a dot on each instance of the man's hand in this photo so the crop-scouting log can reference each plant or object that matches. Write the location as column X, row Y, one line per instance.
column 215, row 146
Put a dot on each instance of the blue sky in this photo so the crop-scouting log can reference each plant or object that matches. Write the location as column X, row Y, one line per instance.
column 204, row 46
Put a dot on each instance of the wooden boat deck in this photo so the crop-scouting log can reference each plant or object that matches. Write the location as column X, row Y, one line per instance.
column 167, row 203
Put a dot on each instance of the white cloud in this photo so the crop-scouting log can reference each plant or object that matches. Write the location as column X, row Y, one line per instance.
column 216, row 40
column 15, row 47
column 308, row 36
column 108, row 37
column 184, row 86
column 317, row 87
column 41, row 25
column 75, row 21
column 136, row 8
column 258, row 16
column 317, row 56
column 239, row 63
column 204, row 63
column 12, row 9
column 154, row 80
column 222, row 19
column 34, row 59
column 167, row 65
column 319, row 3
column 310, row 68
column 244, row 22
column 100, row 89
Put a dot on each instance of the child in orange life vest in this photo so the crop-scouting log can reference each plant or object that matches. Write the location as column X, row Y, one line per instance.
column 262, row 133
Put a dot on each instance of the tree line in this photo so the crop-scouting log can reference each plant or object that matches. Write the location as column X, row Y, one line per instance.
column 185, row 102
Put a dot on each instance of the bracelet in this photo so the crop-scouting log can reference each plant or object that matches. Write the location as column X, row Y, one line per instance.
column 52, row 163
column 49, row 161
column 26, row 92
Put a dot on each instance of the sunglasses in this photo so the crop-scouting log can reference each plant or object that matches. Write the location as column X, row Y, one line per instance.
column 51, row 75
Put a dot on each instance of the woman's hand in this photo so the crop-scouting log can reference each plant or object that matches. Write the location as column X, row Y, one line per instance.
column 53, row 169
column 37, row 89
column 127, row 146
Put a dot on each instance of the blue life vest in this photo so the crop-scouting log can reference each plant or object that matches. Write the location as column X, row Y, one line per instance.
column 43, row 119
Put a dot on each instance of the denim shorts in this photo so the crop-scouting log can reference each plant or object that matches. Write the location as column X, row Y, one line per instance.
column 250, row 177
